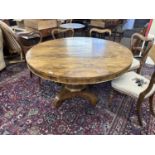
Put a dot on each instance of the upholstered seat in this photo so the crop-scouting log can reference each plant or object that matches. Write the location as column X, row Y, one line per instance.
column 2, row 62
column 135, row 64
column 127, row 84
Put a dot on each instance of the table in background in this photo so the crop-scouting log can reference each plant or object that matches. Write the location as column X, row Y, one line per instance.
column 77, row 27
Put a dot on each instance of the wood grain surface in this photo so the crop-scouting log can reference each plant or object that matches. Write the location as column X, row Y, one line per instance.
column 79, row 60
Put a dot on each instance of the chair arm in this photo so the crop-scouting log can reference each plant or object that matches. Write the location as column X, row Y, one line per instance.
column 23, row 36
column 29, row 35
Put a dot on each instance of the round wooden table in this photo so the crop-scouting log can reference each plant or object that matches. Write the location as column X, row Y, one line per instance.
column 77, row 62
column 72, row 26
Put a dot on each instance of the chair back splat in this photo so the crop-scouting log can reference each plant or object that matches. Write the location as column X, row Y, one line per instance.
column 100, row 32
column 62, row 33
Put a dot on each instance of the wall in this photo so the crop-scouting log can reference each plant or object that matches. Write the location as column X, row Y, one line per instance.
column 129, row 24
column 152, row 33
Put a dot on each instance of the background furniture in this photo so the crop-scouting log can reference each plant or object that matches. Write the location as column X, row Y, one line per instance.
column 127, row 33
column 77, row 27
column 2, row 62
column 62, row 33
column 72, row 26
column 138, row 87
column 102, row 32
column 43, row 26
column 114, row 24
column 77, row 62
column 14, row 43
column 98, row 23
column 68, row 21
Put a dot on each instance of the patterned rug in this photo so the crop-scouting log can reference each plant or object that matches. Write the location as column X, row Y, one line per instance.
column 26, row 109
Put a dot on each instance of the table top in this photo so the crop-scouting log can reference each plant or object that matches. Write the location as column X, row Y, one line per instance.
column 72, row 26
column 79, row 60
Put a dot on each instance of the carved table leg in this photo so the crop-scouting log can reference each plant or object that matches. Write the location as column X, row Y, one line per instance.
column 69, row 92
column 31, row 74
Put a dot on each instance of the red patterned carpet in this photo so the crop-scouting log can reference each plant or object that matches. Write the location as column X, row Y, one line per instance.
column 27, row 109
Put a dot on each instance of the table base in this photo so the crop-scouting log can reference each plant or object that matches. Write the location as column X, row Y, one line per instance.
column 70, row 91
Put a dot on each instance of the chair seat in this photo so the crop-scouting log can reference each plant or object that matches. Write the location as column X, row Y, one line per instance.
column 127, row 84
column 135, row 65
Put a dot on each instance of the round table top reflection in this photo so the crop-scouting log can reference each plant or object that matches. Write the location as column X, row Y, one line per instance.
column 72, row 26
column 79, row 60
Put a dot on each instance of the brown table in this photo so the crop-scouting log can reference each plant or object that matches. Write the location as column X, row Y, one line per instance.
column 77, row 62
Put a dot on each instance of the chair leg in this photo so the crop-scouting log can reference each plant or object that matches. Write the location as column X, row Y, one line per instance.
column 39, row 81
column 138, row 110
column 151, row 105
column 31, row 75
column 21, row 56
column 110, row 98
column 138, row 70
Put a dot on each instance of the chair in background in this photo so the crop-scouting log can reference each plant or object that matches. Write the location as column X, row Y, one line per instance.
column 62, row 33
column 101, row 32
column 97, row 23
column 117, row 29
column 128, row 32
column 142, row 46
column 14, row 42
column 68, row 20
column 137, row 42
column 138, row 87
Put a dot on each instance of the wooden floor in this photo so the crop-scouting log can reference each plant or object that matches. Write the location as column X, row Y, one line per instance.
column 152, row 53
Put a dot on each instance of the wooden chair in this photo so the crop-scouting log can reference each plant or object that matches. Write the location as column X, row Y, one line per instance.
column 14, row 42
column 99, row 31
column 144, row 48
column 68, row 20
column 138, row 87
column 62, row 33
column 116, row 26
column 136, row 43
